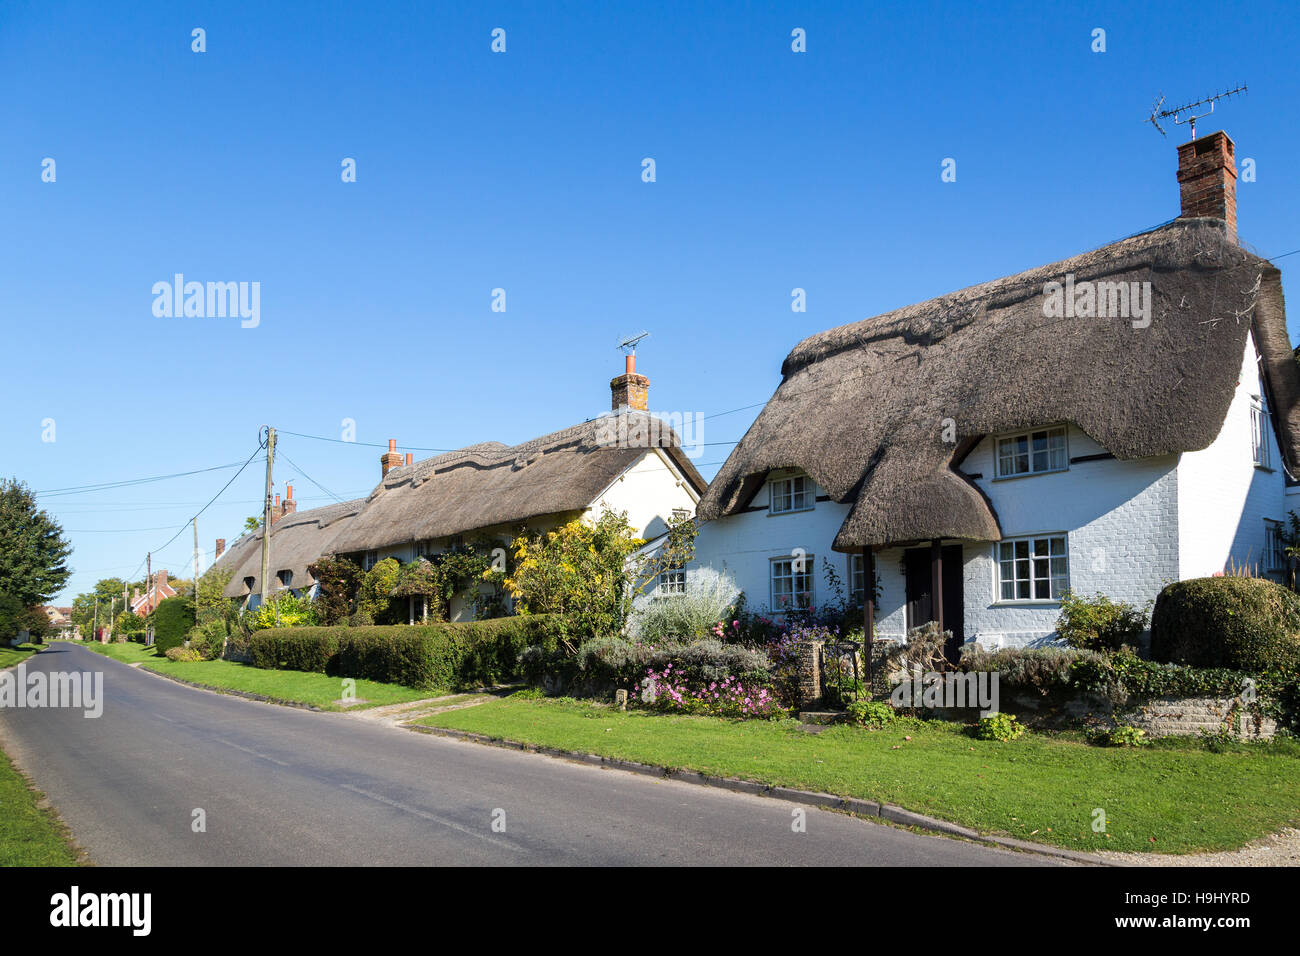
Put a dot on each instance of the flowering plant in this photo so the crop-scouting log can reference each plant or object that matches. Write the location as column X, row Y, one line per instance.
column 670, row 690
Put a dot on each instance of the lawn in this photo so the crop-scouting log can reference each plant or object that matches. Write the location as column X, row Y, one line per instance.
column 1177, row 798
column 318, row 690
column 29, row 835
column 16, row 655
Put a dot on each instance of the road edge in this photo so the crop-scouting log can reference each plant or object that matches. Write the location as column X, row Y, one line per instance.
column 829, row 801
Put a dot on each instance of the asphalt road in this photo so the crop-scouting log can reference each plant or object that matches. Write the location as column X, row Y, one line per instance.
column 281, row 786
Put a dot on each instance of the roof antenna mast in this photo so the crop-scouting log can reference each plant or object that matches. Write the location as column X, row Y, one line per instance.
column 1158, row 114
column 628, row 345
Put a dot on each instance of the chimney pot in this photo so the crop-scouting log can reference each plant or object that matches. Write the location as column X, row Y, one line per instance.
column 409, row 458
column 390, row 459
column 1207, row 180
column 288, row 495
column 630, row 390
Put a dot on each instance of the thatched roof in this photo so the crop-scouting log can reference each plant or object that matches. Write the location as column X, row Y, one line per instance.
column 493, row 484
column 297, row 540
column 862, row 407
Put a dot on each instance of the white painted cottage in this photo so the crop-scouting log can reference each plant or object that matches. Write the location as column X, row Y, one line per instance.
column 1109, row 424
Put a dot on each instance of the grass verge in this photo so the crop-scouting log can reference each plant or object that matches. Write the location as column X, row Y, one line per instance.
column 30, row 835
column 318, row 690
column 16, row 655
column 1172, row 799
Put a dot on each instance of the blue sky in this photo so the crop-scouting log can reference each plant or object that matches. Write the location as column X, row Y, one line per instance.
column 522, row 171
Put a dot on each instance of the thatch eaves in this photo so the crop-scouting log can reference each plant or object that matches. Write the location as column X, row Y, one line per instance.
column 297, row 540
column 870, row 409
column 492, row 484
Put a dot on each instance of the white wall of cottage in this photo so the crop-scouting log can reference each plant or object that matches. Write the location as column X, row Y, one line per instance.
column 1224, row 498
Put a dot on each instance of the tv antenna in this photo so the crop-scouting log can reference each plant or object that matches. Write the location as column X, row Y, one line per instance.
column 1158, row 114
column 628, row 345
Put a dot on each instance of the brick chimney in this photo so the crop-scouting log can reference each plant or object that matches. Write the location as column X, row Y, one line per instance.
column 290, row 506
column 1207, row 179
column 277, row 510
column 221, row 548
column 630, row 390
column 391, row 459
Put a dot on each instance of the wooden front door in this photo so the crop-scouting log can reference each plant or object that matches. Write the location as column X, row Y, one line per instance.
column 918, row 573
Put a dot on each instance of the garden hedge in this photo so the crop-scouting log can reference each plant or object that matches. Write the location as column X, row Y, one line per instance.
column 441, row 655
column 172, row 620
column 1246, row 624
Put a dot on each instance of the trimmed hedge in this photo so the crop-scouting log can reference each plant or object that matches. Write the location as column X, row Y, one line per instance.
column 172, row 620
column 440, row 655
column 1247, row 624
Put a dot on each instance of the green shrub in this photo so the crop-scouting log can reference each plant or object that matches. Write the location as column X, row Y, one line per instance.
column 208, row 639
column 337, row 580
column 285, row 610
column 172, row 619
column 430, row 656
column 708, row 599
column 870, row 713
column 623, row 663
column 999, row 727
column 183, row 654
column 1098, row 623
column 375, row 596
column 1248, row 624
column 1127, row 736
column 1043, row 670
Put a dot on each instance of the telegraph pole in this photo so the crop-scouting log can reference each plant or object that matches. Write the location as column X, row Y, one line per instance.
column 94, row 628
column 148, row 599
column 196, row 561
column 266, row 514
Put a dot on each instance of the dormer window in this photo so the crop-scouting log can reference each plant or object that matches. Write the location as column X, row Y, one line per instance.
column 1032, row 453
column 793, row 493
column 286, row 579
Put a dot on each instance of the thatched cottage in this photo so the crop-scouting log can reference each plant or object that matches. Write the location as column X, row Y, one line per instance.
column 1109, row 423
column 627, row 460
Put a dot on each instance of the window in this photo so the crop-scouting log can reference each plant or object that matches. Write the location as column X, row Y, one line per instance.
column 372, row 558
column 1032, row 453
column 1275, row 557
column 857, row 580
column 1259, row 435
column 1033, row 569
column 791, row 494
column 286, row 579
column 792, row 582
column 672, row 582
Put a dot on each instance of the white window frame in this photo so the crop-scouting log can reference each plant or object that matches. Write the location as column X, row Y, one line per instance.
column 370, row 560
column 1029, row 453
column 807, row 495
column 672, row 581
column 285, row 578
column 1275, row 560
column 857, row 570
column 1057, row 583
column 777, row 565
column 1261, row 453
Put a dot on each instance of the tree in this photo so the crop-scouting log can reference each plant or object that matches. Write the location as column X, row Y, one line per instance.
column 107, row 590
column 337, row 581
column 33, row 551
column 212, row 601
column 252, row 524
column 580, row 570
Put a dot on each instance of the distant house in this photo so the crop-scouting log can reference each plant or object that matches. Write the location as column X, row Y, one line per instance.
column 157, row 592
column 627, row 460
column 987, row 450
column 61, row 621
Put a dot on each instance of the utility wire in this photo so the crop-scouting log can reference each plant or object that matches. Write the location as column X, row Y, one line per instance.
column 104, row 486
column 310, row 478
